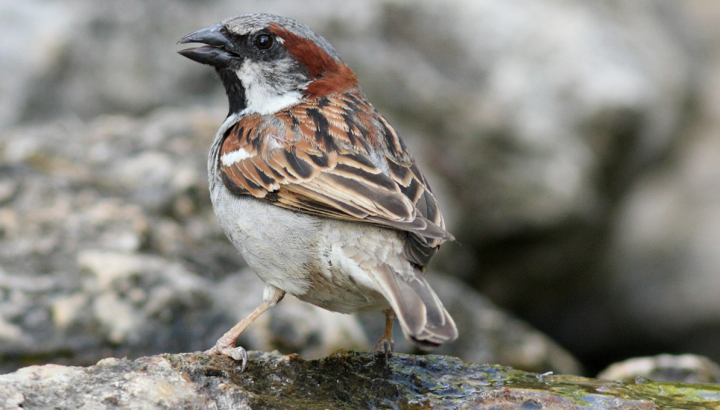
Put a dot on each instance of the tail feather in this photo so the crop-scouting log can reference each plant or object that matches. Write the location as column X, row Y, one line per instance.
column 422, row 316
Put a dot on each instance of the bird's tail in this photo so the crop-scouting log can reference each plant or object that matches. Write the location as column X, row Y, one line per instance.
column 422, row 316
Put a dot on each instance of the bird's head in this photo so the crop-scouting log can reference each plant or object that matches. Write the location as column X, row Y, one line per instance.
column 268, row 63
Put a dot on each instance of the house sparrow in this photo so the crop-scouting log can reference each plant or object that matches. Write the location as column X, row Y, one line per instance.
column 313, row 185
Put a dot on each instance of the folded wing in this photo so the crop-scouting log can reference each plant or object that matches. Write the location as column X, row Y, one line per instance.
column 335, row 157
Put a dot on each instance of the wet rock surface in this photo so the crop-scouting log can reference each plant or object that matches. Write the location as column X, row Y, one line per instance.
column 344, row 380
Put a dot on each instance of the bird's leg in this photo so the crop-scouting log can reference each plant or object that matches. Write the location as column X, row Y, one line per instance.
column 385, row 345
column 226, row 344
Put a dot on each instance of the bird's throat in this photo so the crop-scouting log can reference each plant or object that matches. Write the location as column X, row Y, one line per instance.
column 234, row 90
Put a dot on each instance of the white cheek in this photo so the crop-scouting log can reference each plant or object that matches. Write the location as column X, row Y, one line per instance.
column 232, row 157
column 262, row 97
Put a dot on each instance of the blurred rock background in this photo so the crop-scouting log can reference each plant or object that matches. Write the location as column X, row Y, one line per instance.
column 573, row 145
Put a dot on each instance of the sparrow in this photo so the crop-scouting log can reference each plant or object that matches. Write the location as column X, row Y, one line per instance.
column 314, row 187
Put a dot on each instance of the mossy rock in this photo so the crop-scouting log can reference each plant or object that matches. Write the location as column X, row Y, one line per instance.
column 344, row 380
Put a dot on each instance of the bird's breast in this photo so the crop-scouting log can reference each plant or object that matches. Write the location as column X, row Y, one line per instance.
column 322, row 261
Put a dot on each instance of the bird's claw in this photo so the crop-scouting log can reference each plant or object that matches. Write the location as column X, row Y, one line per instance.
column 236, row 353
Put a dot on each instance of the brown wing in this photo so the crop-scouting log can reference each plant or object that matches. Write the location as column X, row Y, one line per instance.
column 336, row 157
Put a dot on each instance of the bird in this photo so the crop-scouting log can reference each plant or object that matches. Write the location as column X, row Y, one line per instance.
column 314, row 187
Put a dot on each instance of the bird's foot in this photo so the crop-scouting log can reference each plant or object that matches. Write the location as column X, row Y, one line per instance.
column 384, row 349
column 236, row 353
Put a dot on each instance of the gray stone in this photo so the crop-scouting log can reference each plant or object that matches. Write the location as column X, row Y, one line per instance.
column 665, row 242
column 685, row 368
column 345, row 380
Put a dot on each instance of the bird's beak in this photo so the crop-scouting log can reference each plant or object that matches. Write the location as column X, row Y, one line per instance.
column 218, row 52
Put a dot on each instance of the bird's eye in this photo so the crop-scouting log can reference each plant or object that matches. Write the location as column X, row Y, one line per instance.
column 263, row 41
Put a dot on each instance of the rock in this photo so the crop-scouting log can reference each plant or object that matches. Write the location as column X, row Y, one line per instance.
column 47, row 28
column 664, row 248
column 343, row 380
column 151, row 384
column 685, row 368
column 534, row 131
